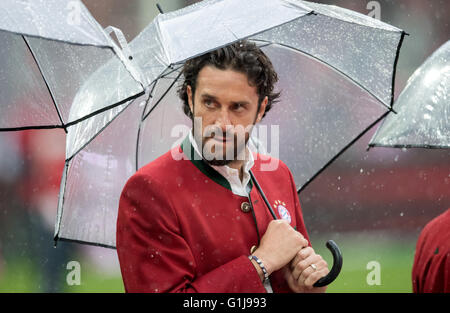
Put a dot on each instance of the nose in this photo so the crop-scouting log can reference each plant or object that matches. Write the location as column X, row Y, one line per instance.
column 223, row 120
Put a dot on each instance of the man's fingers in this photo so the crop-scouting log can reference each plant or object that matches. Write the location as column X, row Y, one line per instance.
column 310, row 276
column 305, row 243
column 314, row 277
column 303, row 267
column 301, row 255
column 319, row 264
column 314, row 259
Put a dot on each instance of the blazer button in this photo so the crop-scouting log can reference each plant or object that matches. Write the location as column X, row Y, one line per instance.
column 245, row 207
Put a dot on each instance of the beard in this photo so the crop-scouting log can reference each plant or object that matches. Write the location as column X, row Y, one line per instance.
column 218, row 152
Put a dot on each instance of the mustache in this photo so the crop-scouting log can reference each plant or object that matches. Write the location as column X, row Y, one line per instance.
column 219, row 133
column 215, row 130
column 222, row 135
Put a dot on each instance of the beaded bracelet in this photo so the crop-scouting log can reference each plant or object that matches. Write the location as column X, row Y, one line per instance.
column 261, row 265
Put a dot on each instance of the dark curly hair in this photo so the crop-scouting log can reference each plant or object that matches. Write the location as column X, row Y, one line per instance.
column 242, row 56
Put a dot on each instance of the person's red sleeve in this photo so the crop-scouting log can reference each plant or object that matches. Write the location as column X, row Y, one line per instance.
column 154, row 256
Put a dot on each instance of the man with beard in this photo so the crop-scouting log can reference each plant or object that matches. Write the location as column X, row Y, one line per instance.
column 193, row 220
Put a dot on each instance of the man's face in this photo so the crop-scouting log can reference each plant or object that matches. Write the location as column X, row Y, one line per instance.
column 228, row 107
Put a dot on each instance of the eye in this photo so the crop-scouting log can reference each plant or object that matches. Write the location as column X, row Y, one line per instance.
column 208, row 103
column 238, row 107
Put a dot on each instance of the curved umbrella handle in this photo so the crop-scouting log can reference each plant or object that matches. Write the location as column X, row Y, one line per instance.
column 337, row 265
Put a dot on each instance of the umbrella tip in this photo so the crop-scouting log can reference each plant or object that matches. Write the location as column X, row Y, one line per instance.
column 159, row 8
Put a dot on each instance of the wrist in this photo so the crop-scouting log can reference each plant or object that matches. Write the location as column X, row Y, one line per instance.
column 264, row 260
column 265, row 276
column 258, row 269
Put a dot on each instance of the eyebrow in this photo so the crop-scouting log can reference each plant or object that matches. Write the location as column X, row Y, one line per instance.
column 208, row 96
column 211, row 97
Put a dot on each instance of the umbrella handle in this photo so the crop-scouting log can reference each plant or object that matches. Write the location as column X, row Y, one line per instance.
column 337, row 265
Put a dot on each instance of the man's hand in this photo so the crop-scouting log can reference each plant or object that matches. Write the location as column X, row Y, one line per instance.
column 279, row 245
column 304, row 270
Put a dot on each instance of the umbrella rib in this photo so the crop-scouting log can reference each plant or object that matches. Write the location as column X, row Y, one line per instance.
column 75, row 121
column 392, row 87
column 29, row 128
column 60, row 208
column 106, row 125
column 95, row 136
column 376, row 133
column 173, row 70
column 332, row 67
column 56, row 239
column 102, row 46
column 138, row 137
column 397, row 54
column 163, row 95
column 144, row 116
column 105, row 109
column 46, row 84
column 150, row 95
column 408, row 146
column 342, row 151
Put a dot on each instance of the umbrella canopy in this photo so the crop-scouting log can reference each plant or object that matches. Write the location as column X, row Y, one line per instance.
column 336, row 70
column 49, row 49
column 423, row 108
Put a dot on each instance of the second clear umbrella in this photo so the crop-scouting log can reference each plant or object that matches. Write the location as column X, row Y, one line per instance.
column 49, row 51
column 423, row 108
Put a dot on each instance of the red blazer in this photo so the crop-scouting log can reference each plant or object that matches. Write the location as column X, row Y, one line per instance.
column 181, row 229
column 431, row 268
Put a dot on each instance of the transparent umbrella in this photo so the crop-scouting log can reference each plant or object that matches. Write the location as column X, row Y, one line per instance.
column 49, row 50
column 336, row 70
column 423, row 108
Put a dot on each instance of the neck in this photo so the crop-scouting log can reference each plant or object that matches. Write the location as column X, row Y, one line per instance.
column 239, row 163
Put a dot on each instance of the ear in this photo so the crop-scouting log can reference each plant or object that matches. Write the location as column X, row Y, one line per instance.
column 262, row 109
column 189, row 94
